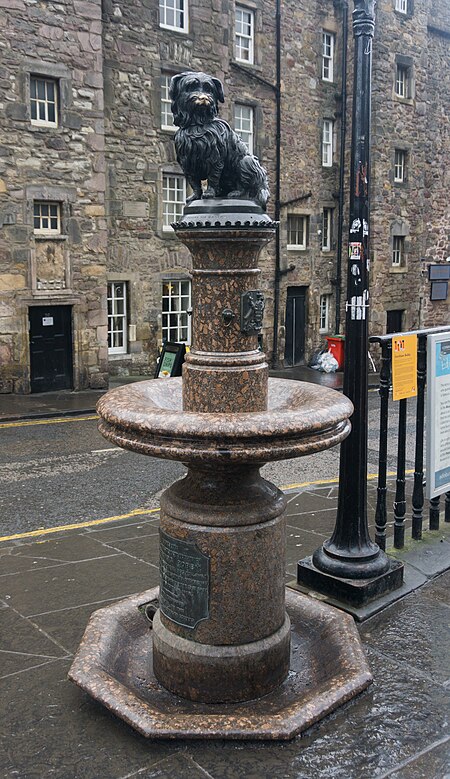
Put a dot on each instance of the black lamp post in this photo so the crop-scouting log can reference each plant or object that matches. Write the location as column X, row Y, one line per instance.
column 349, row 566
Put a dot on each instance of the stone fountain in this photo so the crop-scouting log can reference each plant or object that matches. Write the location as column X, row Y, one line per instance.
column 221, row 648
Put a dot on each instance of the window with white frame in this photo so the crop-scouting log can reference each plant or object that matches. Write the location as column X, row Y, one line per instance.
column 402, row 81
column 297, row 231
column 44, row 101
column 244, row 34
column 174, row 198
column 327, row 56
column 324, row 306
column 401, row 6
column 166, row 111
column 398, row 251
column 327, row 225
column 117, row 317
column 46, row 217
column 173, row 15
column 327, row 143
column 176, row 308
column 243, row 124
column 399, row 165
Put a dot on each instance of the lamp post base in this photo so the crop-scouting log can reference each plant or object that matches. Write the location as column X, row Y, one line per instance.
column 352, row 592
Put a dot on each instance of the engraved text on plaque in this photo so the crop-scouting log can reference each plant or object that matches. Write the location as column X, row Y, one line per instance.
column 184, row 591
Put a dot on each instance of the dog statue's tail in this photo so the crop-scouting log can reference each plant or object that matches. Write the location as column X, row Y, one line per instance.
column 254, row 179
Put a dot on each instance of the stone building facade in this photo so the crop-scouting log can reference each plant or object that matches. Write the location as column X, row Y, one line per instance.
column 93, row 279
column 52, row 161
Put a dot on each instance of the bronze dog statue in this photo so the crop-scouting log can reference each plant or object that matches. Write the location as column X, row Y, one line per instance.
column 207, row 148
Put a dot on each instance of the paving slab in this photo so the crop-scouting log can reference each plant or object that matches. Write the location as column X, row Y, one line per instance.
column 301, row 543
column 438, row 590
column 54, row 730
column 433, row 763
column 429, row 556
column 181, row 766
column 67, row 585
column 23, row 645
column 66, row 627
column 48, row 553
column 123, row 531
column 416, row 631
column 144, row 548
column 310, row 502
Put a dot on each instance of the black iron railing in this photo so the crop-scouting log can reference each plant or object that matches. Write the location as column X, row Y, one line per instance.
column 418, row 494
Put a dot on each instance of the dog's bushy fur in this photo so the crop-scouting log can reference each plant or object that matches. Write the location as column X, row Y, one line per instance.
column 207, row 148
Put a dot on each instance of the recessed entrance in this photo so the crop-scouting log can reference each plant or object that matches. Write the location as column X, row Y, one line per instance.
column 294, row 352
column 394, row 321
column 51, row 348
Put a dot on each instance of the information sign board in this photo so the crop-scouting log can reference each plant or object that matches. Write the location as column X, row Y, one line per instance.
column 438, row 414
column 404, row 367
column 170, row 360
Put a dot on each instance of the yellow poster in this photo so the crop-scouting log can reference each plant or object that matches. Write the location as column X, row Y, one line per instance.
column 404, row 367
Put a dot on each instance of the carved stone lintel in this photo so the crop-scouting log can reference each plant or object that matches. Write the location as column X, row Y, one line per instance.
column 252, row 311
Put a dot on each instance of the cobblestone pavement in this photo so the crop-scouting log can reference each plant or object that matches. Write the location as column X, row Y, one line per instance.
column 50, row 584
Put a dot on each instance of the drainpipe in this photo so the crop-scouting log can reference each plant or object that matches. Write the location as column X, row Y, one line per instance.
column 278, row 273
column 337, row 326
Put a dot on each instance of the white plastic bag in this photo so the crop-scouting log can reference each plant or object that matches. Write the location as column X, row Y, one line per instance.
column 328, row 363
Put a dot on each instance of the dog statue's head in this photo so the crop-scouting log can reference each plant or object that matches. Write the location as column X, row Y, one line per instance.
column 195, row 98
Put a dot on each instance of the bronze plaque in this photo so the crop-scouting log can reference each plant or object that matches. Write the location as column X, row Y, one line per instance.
column 184, row 590
column 252, row 311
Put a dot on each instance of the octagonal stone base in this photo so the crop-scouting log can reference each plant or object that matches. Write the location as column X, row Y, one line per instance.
column 114, row 664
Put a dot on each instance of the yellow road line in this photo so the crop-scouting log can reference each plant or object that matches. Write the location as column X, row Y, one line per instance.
column 59, row 528
column 56, row 421
column 370, row 477
column 141, row 512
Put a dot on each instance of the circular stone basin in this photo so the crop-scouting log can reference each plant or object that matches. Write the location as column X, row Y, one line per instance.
column 147, row 417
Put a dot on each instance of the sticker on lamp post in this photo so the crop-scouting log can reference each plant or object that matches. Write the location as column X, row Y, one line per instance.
column 438, row 414
column 404, row 367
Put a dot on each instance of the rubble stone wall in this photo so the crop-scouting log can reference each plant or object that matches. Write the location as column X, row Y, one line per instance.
column 65, row 164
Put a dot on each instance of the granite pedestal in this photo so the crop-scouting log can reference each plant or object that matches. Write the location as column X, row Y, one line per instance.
column 220, row 631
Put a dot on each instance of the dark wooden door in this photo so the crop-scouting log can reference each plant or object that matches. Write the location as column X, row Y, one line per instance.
column 294, row 352
column 394, row 321
column 50, row 348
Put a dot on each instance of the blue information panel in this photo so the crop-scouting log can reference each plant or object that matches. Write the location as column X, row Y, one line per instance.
column 438, row 414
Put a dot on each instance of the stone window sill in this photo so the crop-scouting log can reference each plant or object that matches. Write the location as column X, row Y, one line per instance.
column 54, row 129
column 403, row 269
column 119, row 356
column 404, row 100
column 404, row 17
column 50, row 237
column 183, row 33
column 248, row 66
